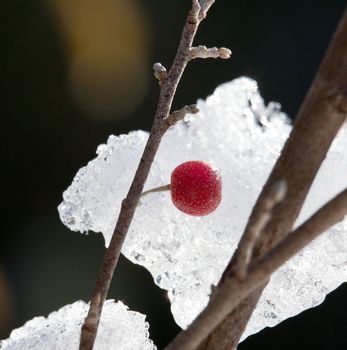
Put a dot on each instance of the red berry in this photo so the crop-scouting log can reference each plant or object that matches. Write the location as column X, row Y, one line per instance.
column 196, row 188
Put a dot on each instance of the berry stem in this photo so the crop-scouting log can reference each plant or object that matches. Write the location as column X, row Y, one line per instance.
column 157, row 189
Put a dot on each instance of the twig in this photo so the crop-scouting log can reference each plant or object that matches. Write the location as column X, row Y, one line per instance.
column 319, row 119
column 129, row 204
column 204, row 7
column 233, row 291
column 213, row 52
column 179, row 115
column 160, row 72
column 256, row 226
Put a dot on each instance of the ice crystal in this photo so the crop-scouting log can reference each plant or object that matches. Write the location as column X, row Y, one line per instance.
column 119, row 329
column 241, row 136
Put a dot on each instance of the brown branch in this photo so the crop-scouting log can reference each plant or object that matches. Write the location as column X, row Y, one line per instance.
column 321, row 115
column 129, row 204
column 233, row 291
column 204, row 7
column 179, row 115
column 256, row 226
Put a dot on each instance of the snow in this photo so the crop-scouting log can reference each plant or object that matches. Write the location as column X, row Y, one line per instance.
column 242, row 137
column 119, row 329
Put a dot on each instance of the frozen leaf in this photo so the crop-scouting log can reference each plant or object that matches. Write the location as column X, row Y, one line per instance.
column 119, row 329
column 242, row 137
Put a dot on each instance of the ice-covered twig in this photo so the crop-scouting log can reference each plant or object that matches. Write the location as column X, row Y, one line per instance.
column 212, row 52
column 159, row 72
column 256, row 226
column 320, row 117
column 233, row 291
column 129, row 204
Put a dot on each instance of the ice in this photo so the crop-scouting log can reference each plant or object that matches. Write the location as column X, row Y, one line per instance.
column 319, row 268
column 119, row 329
column 242, row 136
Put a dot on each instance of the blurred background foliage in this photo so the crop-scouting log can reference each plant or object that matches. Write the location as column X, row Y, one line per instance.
column 73, row 72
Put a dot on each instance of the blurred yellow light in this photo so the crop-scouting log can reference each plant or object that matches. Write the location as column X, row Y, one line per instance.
column 107, row 48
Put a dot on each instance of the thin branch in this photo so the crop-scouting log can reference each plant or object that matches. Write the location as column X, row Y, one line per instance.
column 205, row 6
column 129, row 204
column 256, row 226
column 212, row 52
column 233, row 291
column 179, row 115
column 320, row 117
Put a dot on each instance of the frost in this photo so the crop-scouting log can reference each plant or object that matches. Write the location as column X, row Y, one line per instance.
column 119, row 329
column 240, row 135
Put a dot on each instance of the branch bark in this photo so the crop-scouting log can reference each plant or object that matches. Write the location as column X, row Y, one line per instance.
column 179, row 115
column 255, row 228
column 233, row 291
column 321, row 115
column 160, row 125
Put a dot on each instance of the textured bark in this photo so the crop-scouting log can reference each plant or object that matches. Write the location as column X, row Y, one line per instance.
column 237, row 323
column 321, row 115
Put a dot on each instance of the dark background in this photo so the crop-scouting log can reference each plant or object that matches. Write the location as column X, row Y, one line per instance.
column 49, row 131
